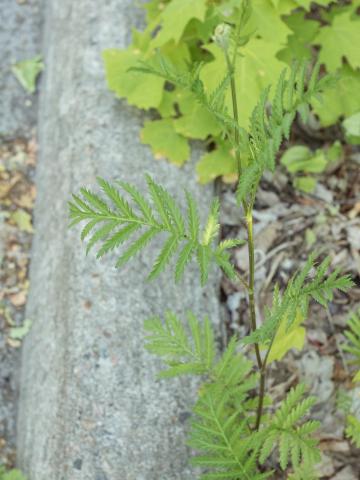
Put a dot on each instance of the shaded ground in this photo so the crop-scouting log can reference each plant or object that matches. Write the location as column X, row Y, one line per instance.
column 288, row 226
column 17, row 195
column 20, row 39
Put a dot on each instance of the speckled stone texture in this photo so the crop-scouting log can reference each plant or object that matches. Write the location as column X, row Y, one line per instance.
column 20, row 39
column 90, row 405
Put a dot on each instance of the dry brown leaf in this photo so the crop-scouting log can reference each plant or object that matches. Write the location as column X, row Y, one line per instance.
column 18, row 299
column 335, row 445
column 355, row 211
column 6, row 187
column 26, row 200
column 13, row 343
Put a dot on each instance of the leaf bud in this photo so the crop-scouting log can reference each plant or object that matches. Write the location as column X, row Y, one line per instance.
column 222, row 36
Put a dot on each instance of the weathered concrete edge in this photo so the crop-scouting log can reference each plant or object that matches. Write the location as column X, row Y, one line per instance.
column 20, row 39
column 90, row 407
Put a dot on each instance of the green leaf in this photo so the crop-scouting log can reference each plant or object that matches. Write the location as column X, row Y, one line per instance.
column 299, row 291
column 305, row 184
column 266, row 22
column 220, row 428
column 203, row 258
column 287, row 339
column 343, row 99
column 162, row 260
column 118, row 221
column 184, row 258
column 165, row 142
column 13, row 474
column 175, row 17
column 216, row 163
column 18, row 333
column 302, row 159
column 298, row 44
column 183, row 353
column 28, row 71
column 212, row 227
column 310, row 237
column 153, row 9
column 136, row 247
column 256, row 69
column 193, row 216
column 353, row 430
column 335, row 152
column 307, row 3
column 23, row 220
column 167, row 105
column 294, row 436
column 338, row 40
column 352, row 344
column 139, row 89
column 197, row 122
column 351, row 127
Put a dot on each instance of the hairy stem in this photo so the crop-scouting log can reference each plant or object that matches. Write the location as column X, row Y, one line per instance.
column 260, row 406
column 261, row 399
column 231, row 69
column 250, row 232
column 242, row 281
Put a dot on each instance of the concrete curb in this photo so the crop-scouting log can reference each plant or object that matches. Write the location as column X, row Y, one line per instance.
column 20, row 39
column 90, row 405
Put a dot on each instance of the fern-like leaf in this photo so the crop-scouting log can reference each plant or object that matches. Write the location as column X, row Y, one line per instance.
column 291, row 433
column 224, row 439
column 299, row 291
column 352, row 430
column 270, row 124
column 112, row 221
column 352, row 346
column 304, row 472
column 182, row 353
column 220, row 430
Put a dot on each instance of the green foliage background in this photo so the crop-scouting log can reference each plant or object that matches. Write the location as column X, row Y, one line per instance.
column 13, row 474
column 278, row 32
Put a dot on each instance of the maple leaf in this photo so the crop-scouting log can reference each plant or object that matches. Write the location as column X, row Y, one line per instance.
column 299, row 42
column 267, row 22
column 165, row 141
column 341, row 38
column 139, row 89
column 341, row 100
column 216, row 163
column 196, row 121
column 307, row 3
column 175, row 17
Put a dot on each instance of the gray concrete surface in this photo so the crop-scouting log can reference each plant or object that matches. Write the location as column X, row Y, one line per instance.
column 20, row 39
column 90, row 405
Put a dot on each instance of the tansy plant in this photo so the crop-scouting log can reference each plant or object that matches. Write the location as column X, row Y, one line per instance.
column 234, row 429
column 352, row 346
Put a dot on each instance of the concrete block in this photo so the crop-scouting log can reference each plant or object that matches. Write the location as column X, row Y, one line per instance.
column 91, row 407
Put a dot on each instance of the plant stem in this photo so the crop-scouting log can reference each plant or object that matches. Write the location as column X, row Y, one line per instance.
column 231, row 69
column 242, row 281
column 261, row 399
column 250, row 232
column 262, row 386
